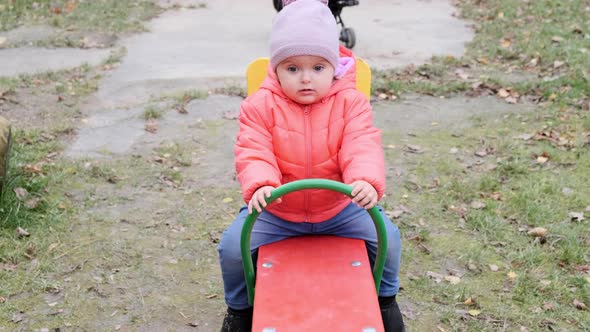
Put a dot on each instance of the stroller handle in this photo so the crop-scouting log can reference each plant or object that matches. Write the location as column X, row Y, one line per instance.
column 301, row 185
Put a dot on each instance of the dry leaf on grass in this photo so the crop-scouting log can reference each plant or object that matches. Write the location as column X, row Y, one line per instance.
column 32, row 203
column 151, row 126
column 477, row 205
column 21, row 232
column 395, row 214
column 413, row 148
column 474, row 312
column 537, row 232
column 453, row 280
column 21, row 193
column 576, row 216
column 579, row 305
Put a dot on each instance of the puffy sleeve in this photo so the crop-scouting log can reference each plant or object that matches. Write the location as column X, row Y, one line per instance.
column 361, row 155
column 255, row 162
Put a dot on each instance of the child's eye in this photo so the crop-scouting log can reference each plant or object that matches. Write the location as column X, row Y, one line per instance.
column 292, row 69
column 318, row 67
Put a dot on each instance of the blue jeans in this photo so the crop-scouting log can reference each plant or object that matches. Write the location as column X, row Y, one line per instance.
column 352, row 222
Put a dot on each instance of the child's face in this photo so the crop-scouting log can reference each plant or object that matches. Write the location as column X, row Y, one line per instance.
column 305, row 79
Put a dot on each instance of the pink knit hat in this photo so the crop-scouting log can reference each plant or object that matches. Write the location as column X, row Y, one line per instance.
column 304, row 27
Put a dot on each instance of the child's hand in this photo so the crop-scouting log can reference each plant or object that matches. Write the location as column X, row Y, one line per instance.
column 363, row 194
column 258, row 202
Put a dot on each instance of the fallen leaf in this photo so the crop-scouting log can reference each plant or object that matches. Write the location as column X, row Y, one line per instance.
column 394, row 214
column 2, row 300
column 453, row 280
column 453, row 150
column 21, row 193
column 537, row 232
column 477, row 205
column 511, row 100
column 461, row 74
column 481, row 153
column 588, row 279
column 557, row 64
column 511, row 275
column 483, row 60
column 413, row 148
column 579, row 305
column 437, row 277
column 151, row 126
column 70, row 6
column 32, row 203
column 211, row 296
column 494, row 268
column 55, row 10
column 505, row 43
column 52, row 247
column 18, row 317
column 545, row 282
column 547, row 306
column 524, row 137
column 21, row 232
column 556, row 39
column 469, row 301
column 474, row 312
column 193, row 324
column 542, row 159
column 34, row 169
column 576, row 216
column 503, row 93
column 227, row 200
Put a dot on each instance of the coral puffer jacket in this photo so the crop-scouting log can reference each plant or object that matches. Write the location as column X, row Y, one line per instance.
column 280, row 141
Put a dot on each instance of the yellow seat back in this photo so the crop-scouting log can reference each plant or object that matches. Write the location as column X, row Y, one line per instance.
column 256, row 72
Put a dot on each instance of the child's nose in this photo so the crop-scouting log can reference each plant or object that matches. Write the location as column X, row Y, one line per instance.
column 305, row 76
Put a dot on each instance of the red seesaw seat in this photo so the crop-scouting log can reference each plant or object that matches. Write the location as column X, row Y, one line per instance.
column 315, row 283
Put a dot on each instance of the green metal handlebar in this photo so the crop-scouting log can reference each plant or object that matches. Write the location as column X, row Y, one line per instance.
column 301, row 185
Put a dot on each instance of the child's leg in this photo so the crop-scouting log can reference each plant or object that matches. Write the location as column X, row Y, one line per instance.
column 267, row 229
column 355, row 222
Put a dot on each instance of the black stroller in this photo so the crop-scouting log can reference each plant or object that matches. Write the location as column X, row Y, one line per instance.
column 347, row 35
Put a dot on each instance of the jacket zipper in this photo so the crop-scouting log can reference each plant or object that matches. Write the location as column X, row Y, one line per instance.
column 307, row 119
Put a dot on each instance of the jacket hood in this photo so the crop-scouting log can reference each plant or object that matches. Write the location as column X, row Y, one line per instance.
column 347, row 81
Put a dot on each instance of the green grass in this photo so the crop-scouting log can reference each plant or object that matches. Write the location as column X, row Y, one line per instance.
column 152, row 112
column 30, row 256
column 539, row 34
column 527, row 195
column 102, row 15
